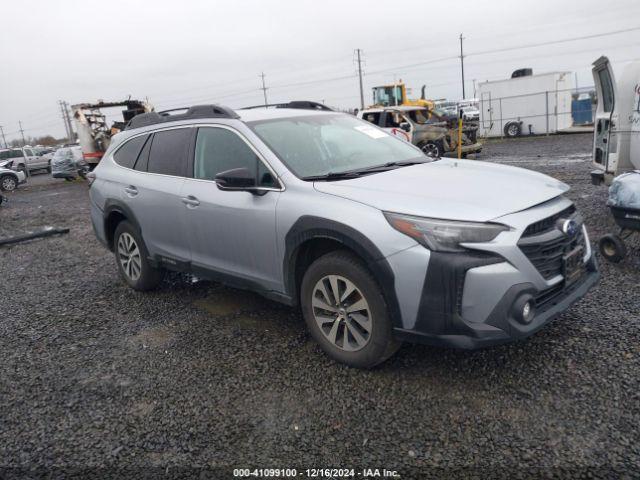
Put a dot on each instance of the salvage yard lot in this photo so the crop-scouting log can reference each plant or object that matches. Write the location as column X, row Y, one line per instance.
column 93, row 374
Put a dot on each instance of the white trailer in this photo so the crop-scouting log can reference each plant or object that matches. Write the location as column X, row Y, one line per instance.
column 526, row 105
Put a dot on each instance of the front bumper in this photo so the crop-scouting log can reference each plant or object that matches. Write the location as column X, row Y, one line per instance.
column 473, row 299
column 501, row 326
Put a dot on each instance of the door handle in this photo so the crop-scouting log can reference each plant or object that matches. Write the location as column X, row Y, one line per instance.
column 131, row 191
column 190, row 201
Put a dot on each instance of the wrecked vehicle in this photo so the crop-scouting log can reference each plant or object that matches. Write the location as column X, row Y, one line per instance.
column 434, row 135
column 9, row 179
column 94, row 133
column 69, row 163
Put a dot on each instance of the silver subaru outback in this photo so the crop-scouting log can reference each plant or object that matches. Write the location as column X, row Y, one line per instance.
column 375, row 242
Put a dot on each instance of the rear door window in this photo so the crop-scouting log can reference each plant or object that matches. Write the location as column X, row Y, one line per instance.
column 168, row 152
column 127, row 154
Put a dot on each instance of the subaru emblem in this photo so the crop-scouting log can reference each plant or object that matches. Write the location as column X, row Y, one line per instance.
column 569, row 227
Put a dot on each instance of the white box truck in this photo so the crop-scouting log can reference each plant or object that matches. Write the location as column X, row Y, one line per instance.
column 526, row 104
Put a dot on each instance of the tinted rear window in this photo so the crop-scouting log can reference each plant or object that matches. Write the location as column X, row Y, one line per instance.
column 126, row 155
column 168, row 152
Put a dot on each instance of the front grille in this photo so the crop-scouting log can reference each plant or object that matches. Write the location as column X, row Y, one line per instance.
column 546, row 296
column 549, row 223
column 546, row 248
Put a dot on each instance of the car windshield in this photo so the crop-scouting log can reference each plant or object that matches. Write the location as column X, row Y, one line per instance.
column 317, row 145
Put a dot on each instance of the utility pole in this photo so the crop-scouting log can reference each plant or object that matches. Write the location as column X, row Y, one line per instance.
column 264, row 90
column 359, row 60
column 26, row 160
column 462, row 65
column 24, row 142
column 72, row 136
column 4, row 140
column 64, row 119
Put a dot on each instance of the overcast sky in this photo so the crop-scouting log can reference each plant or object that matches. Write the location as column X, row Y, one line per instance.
column 178, row 53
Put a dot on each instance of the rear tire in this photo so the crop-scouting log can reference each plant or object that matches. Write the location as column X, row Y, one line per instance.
column 512, row 129
column 8, row 183
column 612, row 248
column 354, row 328
column 132, row 258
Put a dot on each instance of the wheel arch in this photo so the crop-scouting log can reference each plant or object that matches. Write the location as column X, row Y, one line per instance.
column 115, row 212
column 10, row 174
column 311, row 237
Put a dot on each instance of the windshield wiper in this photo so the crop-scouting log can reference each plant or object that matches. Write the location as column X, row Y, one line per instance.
column 364, row 171
column 389, row 165
column 334, row 175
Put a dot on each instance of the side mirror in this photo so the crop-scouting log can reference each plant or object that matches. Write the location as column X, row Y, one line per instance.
column 406, row 126
column 236, row 179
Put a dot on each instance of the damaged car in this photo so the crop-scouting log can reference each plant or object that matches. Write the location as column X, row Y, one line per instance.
column 429, row 129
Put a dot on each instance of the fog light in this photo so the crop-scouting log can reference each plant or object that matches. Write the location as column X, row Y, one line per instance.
column 527, row 311
column 524, row 309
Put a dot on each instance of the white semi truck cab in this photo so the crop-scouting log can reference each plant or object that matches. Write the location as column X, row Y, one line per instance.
column 616, row 133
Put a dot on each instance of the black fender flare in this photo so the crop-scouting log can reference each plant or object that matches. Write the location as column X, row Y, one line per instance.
column 118, row 206
column 11, row 174
column 310, row 227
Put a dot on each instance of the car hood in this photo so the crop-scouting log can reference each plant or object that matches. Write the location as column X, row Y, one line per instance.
column 450, row 189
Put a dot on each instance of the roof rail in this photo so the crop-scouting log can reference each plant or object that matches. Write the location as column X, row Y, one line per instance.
column 197, row 111
column 301, row 104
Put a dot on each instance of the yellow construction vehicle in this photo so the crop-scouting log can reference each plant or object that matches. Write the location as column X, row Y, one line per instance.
column 395, row 95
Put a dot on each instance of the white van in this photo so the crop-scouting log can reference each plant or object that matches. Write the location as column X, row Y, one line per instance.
column 617, row 121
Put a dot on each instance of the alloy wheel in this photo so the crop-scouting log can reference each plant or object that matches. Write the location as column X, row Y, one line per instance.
column 342, row 313
column 513, row 130
column 431, row 150
column 129, row 256
column 9, row 184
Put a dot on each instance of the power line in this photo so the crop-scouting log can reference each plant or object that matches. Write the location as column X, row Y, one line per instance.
column 554, row 42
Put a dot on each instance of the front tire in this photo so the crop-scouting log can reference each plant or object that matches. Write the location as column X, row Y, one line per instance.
column 345, row 311
column 8, row 183
column 432, row 149
column 133, row 259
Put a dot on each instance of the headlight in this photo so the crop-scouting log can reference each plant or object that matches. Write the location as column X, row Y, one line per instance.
column 444, row 235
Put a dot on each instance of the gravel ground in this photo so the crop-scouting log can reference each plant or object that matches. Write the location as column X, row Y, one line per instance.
column 96, row 379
